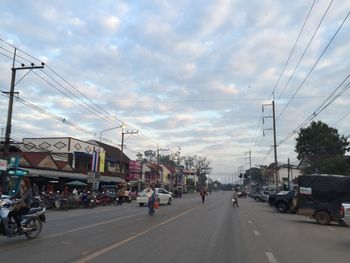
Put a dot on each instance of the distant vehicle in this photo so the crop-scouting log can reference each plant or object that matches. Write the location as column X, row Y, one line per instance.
column 242, row 194
column 321, row 197
column 261, row 196
column 164, row 197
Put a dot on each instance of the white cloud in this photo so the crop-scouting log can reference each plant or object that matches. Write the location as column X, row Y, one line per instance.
column 184, row 73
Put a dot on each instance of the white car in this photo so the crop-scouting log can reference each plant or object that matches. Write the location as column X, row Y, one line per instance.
column 164, row 197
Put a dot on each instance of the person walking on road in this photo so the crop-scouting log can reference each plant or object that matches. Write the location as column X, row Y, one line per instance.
column 235, row 197
column 203, row 193
column 152, row 197
column 120, row 196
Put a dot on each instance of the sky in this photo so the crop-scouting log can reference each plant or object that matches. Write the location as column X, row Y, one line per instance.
column 195, row 76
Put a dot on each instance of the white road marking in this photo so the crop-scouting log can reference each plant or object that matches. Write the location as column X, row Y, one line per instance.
column 250, row 221
column 331, row 228
column 270, row 257
column 245, row 215
column 256, row 233
column 107, row 249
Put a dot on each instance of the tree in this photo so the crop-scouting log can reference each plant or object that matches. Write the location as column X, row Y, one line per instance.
column 150, row 155
column 323, row 147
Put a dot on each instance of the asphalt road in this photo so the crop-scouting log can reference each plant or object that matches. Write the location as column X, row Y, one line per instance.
column 186, row 231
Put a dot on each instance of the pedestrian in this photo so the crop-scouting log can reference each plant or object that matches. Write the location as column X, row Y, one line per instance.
column 152, row 198
column 203, row 193
column 235, row 197
column 120, row 196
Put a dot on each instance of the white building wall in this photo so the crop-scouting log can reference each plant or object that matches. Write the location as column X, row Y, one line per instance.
column 59, row 145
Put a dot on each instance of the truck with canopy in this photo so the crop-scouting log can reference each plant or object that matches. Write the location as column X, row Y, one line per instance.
column 321, row 196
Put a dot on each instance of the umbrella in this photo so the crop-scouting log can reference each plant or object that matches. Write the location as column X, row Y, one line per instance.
column 76, row 183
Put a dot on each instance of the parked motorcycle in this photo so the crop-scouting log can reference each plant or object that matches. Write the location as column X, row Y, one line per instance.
column 89, row 200
column 32, row 222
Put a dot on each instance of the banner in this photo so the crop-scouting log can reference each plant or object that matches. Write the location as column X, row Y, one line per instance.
column 102, row 161
column 94, row 164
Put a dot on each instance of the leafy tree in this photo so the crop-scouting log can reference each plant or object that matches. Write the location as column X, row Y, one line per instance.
column 150, row 155
column 324, row 149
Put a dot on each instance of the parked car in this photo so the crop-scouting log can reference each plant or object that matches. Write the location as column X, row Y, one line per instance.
column 164, row 197
column 260, row 196
column 282, row 201
column 242, row 194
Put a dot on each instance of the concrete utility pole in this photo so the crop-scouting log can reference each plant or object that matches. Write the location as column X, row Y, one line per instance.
column 6, row 148
column 122, row 147
column 274, row 136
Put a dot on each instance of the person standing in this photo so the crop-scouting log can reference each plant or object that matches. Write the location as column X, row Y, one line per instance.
column 235, row 197
column 120, row 196
column 152, row 197
column 203, row 193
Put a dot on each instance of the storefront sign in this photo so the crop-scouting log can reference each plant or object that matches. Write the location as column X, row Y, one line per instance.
column 3, row 165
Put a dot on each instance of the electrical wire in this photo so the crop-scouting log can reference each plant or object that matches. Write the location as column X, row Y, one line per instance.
column 321, row 108
column 315, row 64
column 295, row 43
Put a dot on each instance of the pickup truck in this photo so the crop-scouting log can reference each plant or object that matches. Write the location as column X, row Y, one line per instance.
column 345, row 213
column 321, row 197
column 282, row 201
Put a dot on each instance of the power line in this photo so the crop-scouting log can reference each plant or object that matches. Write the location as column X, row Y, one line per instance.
column 302, row 56
column 295, row 43
column 322, row 107
column 314, row 66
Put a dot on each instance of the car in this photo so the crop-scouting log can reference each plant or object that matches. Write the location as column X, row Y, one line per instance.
column 283, row 201
column 164, row 197
column 242, row 194
column 261, row 196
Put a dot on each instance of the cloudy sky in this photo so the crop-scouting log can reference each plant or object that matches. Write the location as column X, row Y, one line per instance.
column 188, row 74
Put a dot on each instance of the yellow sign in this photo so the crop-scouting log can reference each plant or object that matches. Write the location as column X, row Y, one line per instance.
column 102, row 161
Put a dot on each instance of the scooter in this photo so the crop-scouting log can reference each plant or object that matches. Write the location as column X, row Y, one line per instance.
column 32, row 222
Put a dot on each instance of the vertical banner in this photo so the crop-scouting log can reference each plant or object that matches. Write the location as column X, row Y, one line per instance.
column 94, row 165
column 102, row 161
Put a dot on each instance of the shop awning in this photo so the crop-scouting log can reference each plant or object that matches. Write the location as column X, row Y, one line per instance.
column 54, row 174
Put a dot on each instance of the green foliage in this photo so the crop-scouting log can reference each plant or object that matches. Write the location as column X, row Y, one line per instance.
column 323, row 149
column 320, row 139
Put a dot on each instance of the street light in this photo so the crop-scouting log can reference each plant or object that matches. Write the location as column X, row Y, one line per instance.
column 116, row 127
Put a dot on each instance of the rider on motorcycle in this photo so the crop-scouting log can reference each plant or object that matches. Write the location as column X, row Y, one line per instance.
column 23, row 204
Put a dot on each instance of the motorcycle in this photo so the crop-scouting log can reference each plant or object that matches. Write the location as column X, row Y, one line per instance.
column 32, row 222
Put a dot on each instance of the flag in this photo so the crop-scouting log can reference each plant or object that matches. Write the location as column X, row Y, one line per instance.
column 102, row 161
column 94, row 165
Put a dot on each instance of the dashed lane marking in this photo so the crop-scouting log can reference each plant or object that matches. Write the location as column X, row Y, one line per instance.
column 250, row 221
column 256, row 233
column 270, row 257
column 122, row 242
column 331, row 228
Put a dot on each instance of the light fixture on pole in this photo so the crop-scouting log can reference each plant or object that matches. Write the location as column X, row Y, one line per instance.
column 116, row 127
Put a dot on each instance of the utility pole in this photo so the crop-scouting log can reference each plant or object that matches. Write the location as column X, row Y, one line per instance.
column 274, row 136
column 160, row 150
column 6, row 147
column 122, row 147
column 288, row 174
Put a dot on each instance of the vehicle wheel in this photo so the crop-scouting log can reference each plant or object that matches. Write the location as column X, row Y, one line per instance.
column 169, row 201
column 323, row 218
column 36, row 225
column 141, row 204
column 281, row 207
